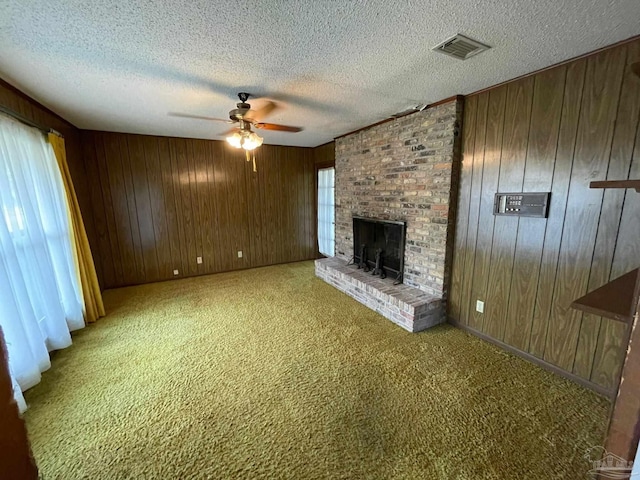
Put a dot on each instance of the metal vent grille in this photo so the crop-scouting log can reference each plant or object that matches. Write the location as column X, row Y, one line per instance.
column 461, row 47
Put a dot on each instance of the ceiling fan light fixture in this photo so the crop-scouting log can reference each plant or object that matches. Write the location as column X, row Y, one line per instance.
column 252, row 141
column 235, row 140
column 245, row 139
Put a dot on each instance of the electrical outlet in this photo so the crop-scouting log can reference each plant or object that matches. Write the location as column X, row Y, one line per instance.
column 198, row 260
column 176, row 272
column 479, row 306
column 239, row 253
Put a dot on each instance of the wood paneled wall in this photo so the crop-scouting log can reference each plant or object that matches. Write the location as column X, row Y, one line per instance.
column 553, row 131
column 158, row 203
column 325, row 155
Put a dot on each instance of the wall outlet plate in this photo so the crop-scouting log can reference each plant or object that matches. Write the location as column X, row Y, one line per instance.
column 176, row 272
column 239, row 253
column 479, row 306
column 198, row 260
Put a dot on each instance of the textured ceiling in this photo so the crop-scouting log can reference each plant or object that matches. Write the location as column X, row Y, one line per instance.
column 333, row 66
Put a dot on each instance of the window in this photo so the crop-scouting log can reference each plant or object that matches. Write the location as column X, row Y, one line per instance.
column 326, row 211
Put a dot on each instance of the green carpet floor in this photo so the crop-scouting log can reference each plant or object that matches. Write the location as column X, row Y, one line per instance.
column 271, row 373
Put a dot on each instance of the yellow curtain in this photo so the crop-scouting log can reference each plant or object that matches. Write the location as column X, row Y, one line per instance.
column 85, row 268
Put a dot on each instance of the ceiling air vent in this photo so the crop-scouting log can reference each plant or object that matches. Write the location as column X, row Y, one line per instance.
column 461, row 47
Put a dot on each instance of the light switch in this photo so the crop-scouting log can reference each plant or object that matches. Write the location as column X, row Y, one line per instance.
column 479, row 306
column 198, row 260
column 239, row 253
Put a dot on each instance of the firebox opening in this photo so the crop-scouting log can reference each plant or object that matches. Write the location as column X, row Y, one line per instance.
column 378, row 246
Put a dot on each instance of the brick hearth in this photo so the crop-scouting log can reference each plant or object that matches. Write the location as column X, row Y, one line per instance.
column 412, row 309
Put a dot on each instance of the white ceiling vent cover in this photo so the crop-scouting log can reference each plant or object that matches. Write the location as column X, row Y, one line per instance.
column 461, row 47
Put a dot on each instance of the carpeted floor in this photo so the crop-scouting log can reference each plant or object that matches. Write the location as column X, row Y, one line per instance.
column 271, row 373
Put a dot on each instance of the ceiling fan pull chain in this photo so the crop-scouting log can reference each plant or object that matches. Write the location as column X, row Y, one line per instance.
column 254, row 163
column 246, row 153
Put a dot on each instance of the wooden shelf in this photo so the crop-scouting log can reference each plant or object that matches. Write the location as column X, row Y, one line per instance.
column 616, row 184
column 617, row 299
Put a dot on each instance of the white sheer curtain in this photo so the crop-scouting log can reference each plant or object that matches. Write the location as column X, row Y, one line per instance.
column 40, row 297
column 326, row 211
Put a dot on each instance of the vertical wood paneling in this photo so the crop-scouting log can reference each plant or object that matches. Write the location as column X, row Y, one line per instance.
column 292, row 197
column 464, row 204
column 224, row 197
column 162, row 202
column 593, row 147
column 489, row 185
column 546, row 111
column 118, row 198
column 169, row 204
column 593, row 330
column 143, row 205
column 474, row 208
column 112, row 233
column 268, row 194
column 191, row 224
column 628, row 244
column 211, row 259
column 238, row 208
column 559, row 191
column 256, row 188
column 576, row 123
column 515, row 119
column 623, row 205
column 302, row 215
column 201, row 202
column 129, row 194
column 177, row 183
column 101, row 244
column 157, row 203
column 324, row 156
column 311, row 196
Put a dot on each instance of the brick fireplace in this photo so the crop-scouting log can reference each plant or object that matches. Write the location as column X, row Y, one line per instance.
column 401, row 170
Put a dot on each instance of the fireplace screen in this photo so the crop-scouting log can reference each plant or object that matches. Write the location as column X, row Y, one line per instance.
column 378, row 246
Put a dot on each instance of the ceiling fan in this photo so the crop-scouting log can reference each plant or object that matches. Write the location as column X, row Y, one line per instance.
column 241, row 136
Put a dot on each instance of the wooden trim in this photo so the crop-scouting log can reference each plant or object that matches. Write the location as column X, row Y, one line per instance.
column 20, row 93
column 431, row 105
column 559, row 64
column 445, row 100
column 632, row 184
column 616, row 300
column 538, row 361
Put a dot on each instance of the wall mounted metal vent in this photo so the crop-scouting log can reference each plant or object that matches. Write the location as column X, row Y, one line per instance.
column 461, row 47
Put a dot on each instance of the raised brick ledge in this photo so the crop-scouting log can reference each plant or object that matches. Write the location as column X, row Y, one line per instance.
column 408, row 307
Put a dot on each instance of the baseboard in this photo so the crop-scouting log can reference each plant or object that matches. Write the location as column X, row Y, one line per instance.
column 538, row 361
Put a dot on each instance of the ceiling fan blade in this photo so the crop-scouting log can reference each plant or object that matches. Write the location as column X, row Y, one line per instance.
column 229, row 132
column 274, row 126
column 257, row 115
column 198, row 117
